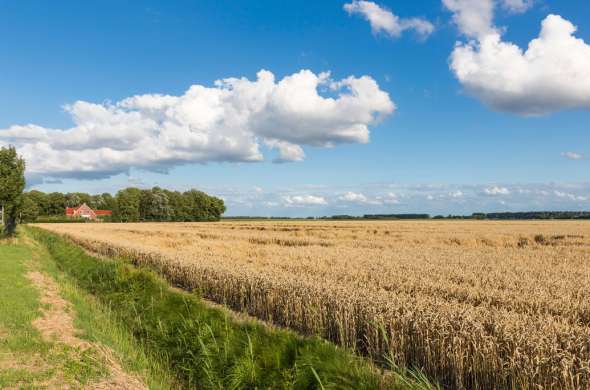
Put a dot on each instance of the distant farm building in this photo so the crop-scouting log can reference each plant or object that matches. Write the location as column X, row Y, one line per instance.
column 85, row 211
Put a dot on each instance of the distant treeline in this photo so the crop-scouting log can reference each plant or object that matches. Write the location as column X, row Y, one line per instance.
column 540, row 215
column 478, row 216
column 128, row 205
column 380, row 216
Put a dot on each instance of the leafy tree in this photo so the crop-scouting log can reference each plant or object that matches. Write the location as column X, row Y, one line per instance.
column 108, row 202
column 41, row 200
column 73, row 200
column 177, row 206
column 128, row 201
column 155, row 205
column 29, row 209
column 56, row 203
column 202, row 207
column 12, row 184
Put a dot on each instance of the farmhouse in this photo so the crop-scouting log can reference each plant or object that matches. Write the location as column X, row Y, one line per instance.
column 85, row 211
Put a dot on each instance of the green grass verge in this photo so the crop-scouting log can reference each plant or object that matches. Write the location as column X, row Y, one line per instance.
column 205, row 347
column 98, row 324
column 26, row 360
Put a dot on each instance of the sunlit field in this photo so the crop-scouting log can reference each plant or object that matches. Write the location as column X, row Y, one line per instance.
column 475, row 304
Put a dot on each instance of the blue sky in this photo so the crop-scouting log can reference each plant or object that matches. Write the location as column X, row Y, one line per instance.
column 458, row 120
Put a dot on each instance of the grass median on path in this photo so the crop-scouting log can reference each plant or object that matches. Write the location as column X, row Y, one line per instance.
column 206, row 347
column 55, row 336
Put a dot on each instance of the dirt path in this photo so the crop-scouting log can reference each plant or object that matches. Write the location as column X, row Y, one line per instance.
column 56, row 324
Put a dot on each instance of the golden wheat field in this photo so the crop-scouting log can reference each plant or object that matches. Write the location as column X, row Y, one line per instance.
column 475, row 304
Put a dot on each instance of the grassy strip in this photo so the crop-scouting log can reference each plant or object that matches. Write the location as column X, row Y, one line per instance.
column 99, row 324
column 204, row 346
column 18, row 338
column 26, row 360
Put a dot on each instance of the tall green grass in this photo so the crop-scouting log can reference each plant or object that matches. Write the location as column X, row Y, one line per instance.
column 206, row 347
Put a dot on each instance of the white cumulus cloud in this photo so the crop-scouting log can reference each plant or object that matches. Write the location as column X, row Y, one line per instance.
column 288, row 152
column 551, row 74
column 226, row 122
column 391, row 198
column 385, row 21
column 472, row 17
column 353, row 197
column 496, row 190
column 305, row 200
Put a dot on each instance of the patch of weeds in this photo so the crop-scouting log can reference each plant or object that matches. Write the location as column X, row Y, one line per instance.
column 82, row 366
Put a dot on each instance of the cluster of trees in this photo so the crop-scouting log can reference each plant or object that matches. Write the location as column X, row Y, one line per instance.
column 133, row 204
column 128, row 205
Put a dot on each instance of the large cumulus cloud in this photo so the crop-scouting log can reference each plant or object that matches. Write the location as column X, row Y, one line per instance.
column 552, row 74
column 226, row 122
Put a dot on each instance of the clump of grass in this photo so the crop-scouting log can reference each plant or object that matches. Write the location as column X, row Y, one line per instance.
column 540, row 239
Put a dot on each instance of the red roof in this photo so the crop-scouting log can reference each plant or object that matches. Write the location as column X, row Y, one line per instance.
column 73, row 211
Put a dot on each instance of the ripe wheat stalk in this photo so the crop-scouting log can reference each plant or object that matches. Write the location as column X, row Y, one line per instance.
column 476, row 305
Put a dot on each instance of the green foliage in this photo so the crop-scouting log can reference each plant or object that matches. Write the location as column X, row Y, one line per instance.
column 129, row 205
column 41, row 200
column 154, row 205
column 204, row 346
column 56, row 203
column 12, row 184
column 29, row 209
column 128, row 201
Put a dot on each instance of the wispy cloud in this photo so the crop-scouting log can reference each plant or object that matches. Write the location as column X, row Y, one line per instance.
column 384, row 21
column 572, row 155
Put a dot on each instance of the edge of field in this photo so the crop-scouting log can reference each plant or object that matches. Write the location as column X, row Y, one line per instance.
column 54, row 335
column 209, row 346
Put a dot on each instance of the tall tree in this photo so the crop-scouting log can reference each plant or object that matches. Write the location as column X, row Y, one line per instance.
column 41, row 200
column 29, row 209
column 155, row 205
column 108, row 202
column 56, row 203
column 128, row 205
column 73, row 200
column 12, row 184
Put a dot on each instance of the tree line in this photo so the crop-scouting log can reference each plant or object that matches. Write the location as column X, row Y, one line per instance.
column 128, row 205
